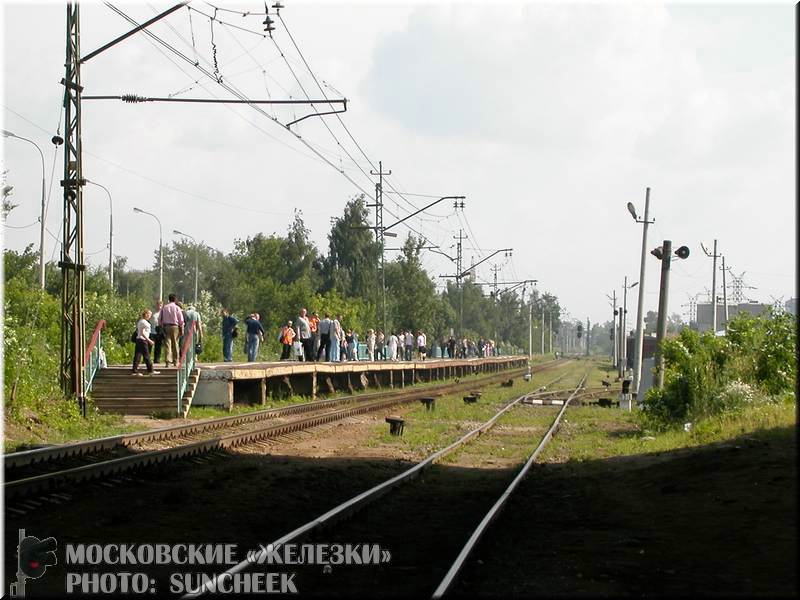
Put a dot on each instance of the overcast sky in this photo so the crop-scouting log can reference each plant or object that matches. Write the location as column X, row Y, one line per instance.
column 549, row 118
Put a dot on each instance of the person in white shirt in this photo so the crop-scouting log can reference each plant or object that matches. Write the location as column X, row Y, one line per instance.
column 422, row 345
column 393, row 347
column 143, row 343
column 371, row 337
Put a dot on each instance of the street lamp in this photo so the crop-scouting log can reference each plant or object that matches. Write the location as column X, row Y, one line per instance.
column 110, row 233
column 160, row 253
column 664, row 254
column 8, row 134
column 196, row 259
column 637, row 355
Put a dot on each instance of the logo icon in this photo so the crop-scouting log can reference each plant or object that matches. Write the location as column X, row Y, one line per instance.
column 33, row 558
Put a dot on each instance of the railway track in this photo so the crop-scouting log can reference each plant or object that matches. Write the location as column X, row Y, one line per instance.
column 348, row 508
column 46, row 469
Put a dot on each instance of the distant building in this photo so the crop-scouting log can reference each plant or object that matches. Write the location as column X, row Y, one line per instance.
column 648, row 348
column 791, row 306
column 705, row 315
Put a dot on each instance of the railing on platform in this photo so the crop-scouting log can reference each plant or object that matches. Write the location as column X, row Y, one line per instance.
column 91, row 359
column 186, row 363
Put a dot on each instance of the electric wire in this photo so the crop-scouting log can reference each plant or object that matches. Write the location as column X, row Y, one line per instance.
column 236, row 93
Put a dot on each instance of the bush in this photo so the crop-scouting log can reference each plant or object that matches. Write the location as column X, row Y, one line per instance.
column 708, row 375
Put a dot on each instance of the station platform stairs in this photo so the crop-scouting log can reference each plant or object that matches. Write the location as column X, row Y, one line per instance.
column 115, row 390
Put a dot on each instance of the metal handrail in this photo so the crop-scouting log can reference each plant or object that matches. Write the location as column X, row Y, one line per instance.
column 91, row 359
column 185, row 364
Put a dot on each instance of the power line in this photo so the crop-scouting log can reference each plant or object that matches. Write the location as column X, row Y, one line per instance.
column 235, row 92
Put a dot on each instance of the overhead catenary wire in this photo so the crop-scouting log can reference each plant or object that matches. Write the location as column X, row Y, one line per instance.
column 344, row 126
column 236, row 93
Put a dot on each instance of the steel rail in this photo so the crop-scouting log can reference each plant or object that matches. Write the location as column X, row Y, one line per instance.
column 115, row 466
column 350, row 506
column 455, row 569
column 61, row 451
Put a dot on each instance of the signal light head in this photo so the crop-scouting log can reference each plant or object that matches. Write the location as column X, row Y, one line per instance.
column 36, row 555
column 682, row 252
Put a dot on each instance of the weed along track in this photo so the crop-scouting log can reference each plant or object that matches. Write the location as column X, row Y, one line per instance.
column 415, row 531
column 45, row 470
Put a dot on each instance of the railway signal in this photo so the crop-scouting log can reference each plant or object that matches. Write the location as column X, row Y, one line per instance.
column 36, row 555
column 664, row 254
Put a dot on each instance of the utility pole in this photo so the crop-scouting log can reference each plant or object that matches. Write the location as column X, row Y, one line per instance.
column 494, row 269
column 663, row 297
column 620, row 364
column 542, row 328
column 459, row 283
column 614, row 343
column 637, row 355
column 624, row 330
column 715, row 256
column 72, row 252
column 588, row 336
column 379, row 237
column 530, row 322
column 664, row 254
column 724, row 294
column 550, row 330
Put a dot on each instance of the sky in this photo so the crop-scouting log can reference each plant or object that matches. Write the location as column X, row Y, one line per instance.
column 548, row 117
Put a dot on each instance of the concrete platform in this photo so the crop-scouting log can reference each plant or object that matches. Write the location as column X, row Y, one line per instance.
column 223, row 384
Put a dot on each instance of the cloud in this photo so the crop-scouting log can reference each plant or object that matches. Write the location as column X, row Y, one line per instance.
column 632, row 80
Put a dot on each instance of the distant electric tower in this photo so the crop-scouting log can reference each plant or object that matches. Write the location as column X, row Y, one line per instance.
column 737, row 287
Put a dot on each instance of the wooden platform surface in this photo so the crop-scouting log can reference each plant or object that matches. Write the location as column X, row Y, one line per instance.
column 259, row 370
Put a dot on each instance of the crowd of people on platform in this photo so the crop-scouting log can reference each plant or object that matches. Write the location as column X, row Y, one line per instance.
column 163, row 329
column 311, row 338
column 306, row 338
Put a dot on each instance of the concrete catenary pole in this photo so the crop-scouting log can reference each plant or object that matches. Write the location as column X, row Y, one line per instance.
column 663, row 298
column 637, row 354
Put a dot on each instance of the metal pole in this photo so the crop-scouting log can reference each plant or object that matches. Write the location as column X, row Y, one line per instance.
column 637, row 355
column 663, row 298
column 624, row 332
column 160, row 252
column 530, row 323
column 620, row 368
column 72, row 251
column 725, row 294
column 550, row 331
column 588, row 334
column 714, row 292
column 110, row 233
column 44, row 205
column 196, row 269
column 615, row 344
column 542, row 328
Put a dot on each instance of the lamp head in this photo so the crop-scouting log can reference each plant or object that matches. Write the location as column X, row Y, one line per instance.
column 7, row 133
column 682, row 252
column 658, row 252
column 632, row 210
column 57, row 140
column 137, row 210
column 633, row 285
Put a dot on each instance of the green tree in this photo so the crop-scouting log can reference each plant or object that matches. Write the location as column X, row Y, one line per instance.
column 353, row 261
